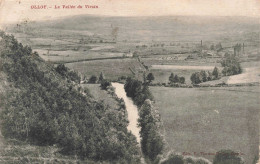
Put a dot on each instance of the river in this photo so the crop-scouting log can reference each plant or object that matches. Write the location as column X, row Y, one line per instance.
column 131, row 108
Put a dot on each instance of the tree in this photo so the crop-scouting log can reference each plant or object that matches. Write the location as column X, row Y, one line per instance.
column 216, row 73
column 104, row 84
column 196, row 78
column 101, row 77
column 204, row 75
column 209, row 76
column 92, row 79
column 171, row 78
column 227, row 157
column 150, row 77
column 182, row 80
column 176, row 79
column 132, row 87
column 154, row 144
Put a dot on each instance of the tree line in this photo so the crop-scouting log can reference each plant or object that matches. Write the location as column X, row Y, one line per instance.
column 203, row 76
column 151, row 140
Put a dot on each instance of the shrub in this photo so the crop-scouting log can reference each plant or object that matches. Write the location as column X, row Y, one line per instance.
column 105, row 84
column 227, row 157
column 216, row 73
column 92, row 79
column 174, row 159
column 150, row 77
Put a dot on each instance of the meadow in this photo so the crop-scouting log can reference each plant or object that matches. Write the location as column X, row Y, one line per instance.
column 111, row 68
column 210, row 119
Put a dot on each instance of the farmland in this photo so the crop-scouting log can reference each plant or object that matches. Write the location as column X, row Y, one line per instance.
column 112, row 68
column 210, row 119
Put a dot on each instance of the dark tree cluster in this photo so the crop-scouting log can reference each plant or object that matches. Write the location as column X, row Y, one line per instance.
column 176, row 79
column 138, row 91
column 104, row 83
column 67, row 73
column 150, row 77
column 203, row 76
column 46, row 109
column 93, row 79
column 231, row 65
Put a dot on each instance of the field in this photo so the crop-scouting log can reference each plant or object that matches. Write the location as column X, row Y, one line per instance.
column 112, row 68
column 210, row 119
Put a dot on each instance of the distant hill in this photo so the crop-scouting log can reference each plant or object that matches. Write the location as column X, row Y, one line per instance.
column 162, row 28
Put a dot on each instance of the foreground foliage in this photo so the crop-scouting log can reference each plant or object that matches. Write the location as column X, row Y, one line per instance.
column 46, row 107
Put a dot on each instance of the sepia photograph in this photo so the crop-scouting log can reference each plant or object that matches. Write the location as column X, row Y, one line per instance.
column 129, row 81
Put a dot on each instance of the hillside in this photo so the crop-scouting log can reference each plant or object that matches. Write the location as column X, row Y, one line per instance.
column 43, row 105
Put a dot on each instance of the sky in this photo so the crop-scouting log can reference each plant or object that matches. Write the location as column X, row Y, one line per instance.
column 12, row 11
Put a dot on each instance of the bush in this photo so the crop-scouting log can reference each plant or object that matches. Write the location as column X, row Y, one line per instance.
column 216, row 74
column 105, row 84
column 182, row 80
column 92, row 79
column 150, row 77
column 227, row 157
column 174, row 159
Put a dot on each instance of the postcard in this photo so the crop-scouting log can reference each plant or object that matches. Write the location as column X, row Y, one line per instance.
column 130, row 81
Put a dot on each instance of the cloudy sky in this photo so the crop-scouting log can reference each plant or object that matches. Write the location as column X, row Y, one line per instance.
column 19, row 10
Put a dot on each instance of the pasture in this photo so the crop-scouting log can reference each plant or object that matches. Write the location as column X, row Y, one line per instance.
column 210, row 119
column 112, row 68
